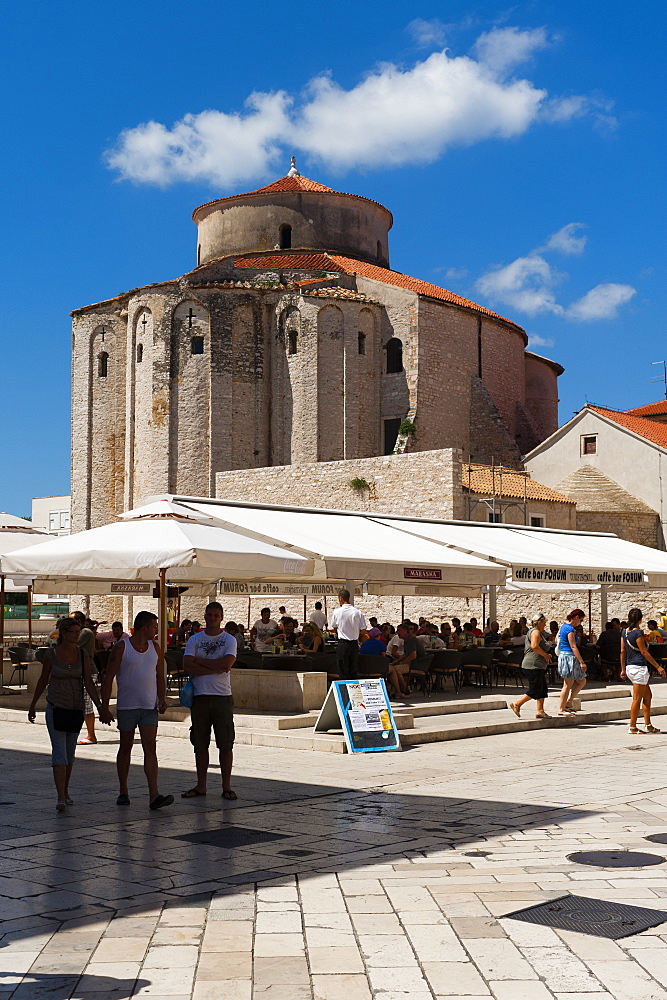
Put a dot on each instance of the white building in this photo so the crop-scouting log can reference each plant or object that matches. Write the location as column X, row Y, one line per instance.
column 52, row 514
column 613, row 464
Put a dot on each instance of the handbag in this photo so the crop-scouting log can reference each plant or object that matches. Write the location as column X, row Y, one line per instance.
column 187, row 693
column 67, row 720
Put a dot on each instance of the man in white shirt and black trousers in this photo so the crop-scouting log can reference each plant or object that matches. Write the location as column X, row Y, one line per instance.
column 348, row 622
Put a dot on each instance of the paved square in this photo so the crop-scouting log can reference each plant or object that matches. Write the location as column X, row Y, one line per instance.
column 332, row 877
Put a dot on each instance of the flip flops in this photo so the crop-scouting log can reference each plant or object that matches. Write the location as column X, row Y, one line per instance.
column 193, row 793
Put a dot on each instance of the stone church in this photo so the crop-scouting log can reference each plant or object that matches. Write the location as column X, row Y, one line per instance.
column 291, row 342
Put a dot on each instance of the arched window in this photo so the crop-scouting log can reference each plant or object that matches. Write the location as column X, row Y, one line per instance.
column 197, row 345
column 102, row 364
column 291, row 341
column 394, row 351
column 140, row 353
column 361, row 340
column 285, row 237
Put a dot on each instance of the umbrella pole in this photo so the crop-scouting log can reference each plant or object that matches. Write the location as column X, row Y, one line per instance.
column 30, row 616
column 304, row 607
column 483, row 611
column 2, row 617
column 163, row 616
column 402, row 608
column 248, row 612
column 590, row 623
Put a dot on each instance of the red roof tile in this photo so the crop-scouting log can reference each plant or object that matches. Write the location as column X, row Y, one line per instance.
column 649, row 429
column 285, row 184
column 651, row 409
column 347, row 265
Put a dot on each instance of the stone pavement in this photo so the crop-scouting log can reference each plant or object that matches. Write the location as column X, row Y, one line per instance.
column 333, row 877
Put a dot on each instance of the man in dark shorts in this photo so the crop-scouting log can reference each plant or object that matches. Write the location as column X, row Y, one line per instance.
column 208, row 658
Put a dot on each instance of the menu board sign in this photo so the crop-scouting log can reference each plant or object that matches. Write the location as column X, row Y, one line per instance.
column 361, row 708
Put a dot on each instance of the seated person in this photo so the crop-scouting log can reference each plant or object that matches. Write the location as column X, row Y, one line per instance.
column 456, row 626
column 429, row 641
column 466, row 639
column 492, row 637
column 373, row 645
column 286, row 632
column 195, row 627
column 477, row 632
column 448, row 636
column 237, row 632
column 183, row 633
column 654, row 635
column 310, row 640
column 400, row 665
column 105, row 640
column 395, row 645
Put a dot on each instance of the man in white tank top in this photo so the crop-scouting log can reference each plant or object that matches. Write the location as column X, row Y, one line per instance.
column 136, row 663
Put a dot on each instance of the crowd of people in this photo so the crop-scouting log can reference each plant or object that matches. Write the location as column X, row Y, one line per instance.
column 134, row 663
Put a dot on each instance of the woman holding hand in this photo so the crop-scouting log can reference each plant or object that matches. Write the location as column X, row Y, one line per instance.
column 635, row 658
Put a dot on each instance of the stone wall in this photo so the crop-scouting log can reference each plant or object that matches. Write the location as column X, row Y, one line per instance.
column 641, row 528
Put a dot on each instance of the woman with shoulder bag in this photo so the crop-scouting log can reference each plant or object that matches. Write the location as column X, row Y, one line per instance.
column 65, row 673
column 635, row 658
column 534, row 665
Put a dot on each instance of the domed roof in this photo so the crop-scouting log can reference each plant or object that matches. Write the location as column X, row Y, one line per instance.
column 292, row 182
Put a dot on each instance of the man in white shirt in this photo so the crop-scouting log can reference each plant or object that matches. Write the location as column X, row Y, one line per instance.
column 348, row 622
column 209, row 657
column 262, row 631
column 318, row 616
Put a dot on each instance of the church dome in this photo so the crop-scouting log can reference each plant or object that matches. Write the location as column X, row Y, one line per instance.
column 293, row 212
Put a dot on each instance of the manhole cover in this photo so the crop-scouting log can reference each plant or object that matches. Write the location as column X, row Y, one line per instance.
column 232, row 836
column 615, row 859
column 598, row 917
column 476, row 854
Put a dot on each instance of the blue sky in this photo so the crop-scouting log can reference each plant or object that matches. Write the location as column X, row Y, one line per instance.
column 521, row 150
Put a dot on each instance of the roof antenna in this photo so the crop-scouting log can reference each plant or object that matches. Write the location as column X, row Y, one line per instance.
column 293, row 171
column 663, row 377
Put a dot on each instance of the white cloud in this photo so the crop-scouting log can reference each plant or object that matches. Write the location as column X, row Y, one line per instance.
column 456, row 273
column 222, row 148
column 426, row 34
column 567, row 240
column 501, row 49
column 528, row 283
column 534, row 340
column 602, row 302
column 392, row 117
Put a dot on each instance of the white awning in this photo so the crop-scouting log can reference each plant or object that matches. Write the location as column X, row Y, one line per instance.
column 351, row 546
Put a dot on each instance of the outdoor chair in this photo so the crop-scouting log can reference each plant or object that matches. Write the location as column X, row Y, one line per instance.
column 507, row 663
column 175, row 672
column 19, row 666
column 372, row 665
column 446, row 663
column 420, row 672
column 478, row 661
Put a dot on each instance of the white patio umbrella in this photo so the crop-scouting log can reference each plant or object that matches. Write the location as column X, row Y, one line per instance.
column 16, row 533
column 161, row 541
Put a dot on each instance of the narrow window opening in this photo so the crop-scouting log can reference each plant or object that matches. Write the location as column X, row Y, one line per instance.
column 198, row 254
column 536, row 521
column 394, row 350
column 285, row 237
column 140, row 353
column 379, row 250
column 197, row 345
column 362, row 343
column 102, row 364
column 391, row 434
column 291, row 341
column 589, row 445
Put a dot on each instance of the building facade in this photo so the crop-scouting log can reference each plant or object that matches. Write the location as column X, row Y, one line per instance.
column 292, row 342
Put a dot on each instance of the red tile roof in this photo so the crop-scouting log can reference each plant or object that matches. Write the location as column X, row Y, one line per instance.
column 347, row 265
column 649, row 429
column 486, row 480
column 651, row 409
column 285, row 184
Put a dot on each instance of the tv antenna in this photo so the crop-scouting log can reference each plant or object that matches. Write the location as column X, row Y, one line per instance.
column 661, row 378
